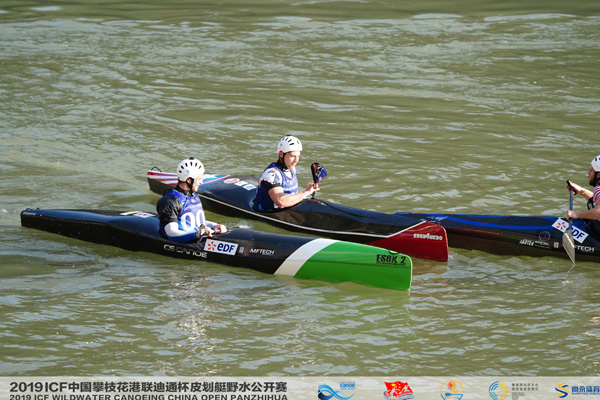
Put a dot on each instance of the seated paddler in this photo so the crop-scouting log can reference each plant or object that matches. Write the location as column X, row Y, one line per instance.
column 591, row 216
column 180, row 209
column 278, row 184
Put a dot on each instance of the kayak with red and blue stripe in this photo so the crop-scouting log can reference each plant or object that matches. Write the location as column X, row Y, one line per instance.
column 234, row 194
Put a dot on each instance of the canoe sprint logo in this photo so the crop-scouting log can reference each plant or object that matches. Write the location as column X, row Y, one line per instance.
column 427, row 236
column 498, row 390
column 398, row 391
column 215, row 246
column 327, row 393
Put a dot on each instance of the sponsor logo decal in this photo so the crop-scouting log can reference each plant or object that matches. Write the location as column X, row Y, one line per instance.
column 563, row 225
column 264, row 252
column 184, row 250
column 326, row 392
column 427, row 236
column 585, row 249
column 243, row 184
column 452, row 390
column 215, row 246
column 398, row 391
column 138, row 214
column 498, row 390
column 544, row 236
column 537, row 243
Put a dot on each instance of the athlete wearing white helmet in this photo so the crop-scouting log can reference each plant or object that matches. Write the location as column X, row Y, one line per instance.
column 278, row 186
column 592, row 196
column 180, row 210
column 289, row 143
column 190, row 168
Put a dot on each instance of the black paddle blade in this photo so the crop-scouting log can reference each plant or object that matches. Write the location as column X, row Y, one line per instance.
column 318, row 172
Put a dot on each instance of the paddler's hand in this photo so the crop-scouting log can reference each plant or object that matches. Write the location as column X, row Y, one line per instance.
column 220, row 228
column 572, row 214
column 203, row 231
column 311, row 187
column 575, row 188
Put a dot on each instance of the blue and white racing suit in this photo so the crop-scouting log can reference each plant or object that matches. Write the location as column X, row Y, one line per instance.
column 186, row 209
column 273, row 176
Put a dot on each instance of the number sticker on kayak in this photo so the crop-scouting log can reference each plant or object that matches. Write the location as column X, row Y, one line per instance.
column 215, row 246
column 391, row 258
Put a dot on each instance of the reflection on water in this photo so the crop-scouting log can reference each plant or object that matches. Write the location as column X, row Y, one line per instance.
column 478, row 107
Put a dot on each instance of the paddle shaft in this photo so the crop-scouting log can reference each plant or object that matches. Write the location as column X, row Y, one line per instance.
column 568, row 244
column 571, row 208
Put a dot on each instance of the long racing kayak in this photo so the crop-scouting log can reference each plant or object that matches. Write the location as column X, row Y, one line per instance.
column 495, row 234
column 302, row 257
column 234, row 194
column 537, row 236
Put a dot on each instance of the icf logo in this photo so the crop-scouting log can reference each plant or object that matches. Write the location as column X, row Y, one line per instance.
column 563, row 390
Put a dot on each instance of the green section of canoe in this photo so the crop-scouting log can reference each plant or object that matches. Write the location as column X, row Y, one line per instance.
column 344, row 261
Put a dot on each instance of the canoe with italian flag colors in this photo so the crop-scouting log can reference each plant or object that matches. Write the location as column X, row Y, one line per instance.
column 271, row 253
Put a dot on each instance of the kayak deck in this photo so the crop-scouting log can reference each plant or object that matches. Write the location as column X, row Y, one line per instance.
column 537, row 236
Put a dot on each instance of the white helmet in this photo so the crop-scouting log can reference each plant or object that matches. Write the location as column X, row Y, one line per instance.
column 289, row 143
column 190, row 168
column 596, row 164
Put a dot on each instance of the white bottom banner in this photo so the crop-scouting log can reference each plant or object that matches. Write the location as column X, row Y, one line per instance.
column 298, row 388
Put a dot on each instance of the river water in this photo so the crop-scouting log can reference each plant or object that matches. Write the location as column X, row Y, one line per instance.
column 431, row 106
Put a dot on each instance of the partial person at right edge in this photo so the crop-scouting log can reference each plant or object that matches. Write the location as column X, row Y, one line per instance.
column 180, row 210
column 278, row 185
column 591, row 216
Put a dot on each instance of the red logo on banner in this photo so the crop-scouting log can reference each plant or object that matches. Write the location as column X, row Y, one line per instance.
column 398, row 391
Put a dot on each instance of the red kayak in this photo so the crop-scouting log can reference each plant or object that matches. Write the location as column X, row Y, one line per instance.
column 234, row 194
